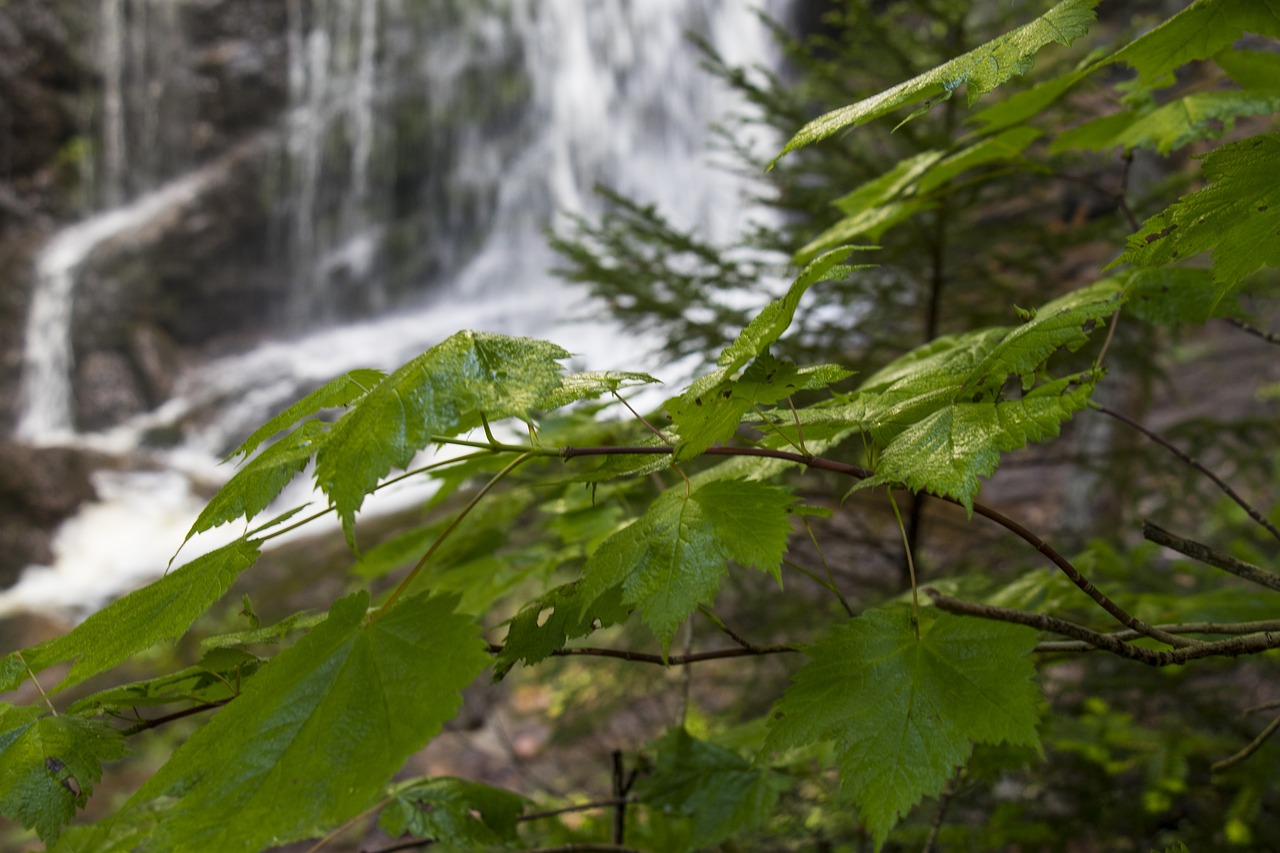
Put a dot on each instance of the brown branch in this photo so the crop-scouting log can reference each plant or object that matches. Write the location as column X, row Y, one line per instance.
column 1243, row 645
column 1249, row 749
column 1196, row 464
column 670, row 660
column 144, row 725
column 1119, row 613
column 1178, row 628
column 1269, row 337
column 1205, row 554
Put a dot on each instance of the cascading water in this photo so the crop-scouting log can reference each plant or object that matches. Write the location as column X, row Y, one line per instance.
column 425, row 148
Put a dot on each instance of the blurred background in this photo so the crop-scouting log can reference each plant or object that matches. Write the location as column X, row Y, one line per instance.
column 208, row 207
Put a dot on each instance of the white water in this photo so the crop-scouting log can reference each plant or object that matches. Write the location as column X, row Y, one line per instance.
column 47, row 363
column 615, row 95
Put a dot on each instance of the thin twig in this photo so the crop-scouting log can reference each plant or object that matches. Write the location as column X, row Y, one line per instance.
column 1265, row 706
column 1205, row 554
column 1243, row 645
column 659, row 660
column 911, row 566
column 1194, row 463
column 144, row 725
column 1106, row 344
column 1249, row 749
column 732, row 634
column 944, row 803
column 1269, row 337
column 581, row 807
column 36, row 682
column 347, row 825
column 444, row 535
column 653, row 429
column 826, row 567
column 1177, row 628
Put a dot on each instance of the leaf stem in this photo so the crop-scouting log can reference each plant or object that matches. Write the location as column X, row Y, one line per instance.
column 822, row 558
column 453, row 525
column 911, row 566
column 36, row 682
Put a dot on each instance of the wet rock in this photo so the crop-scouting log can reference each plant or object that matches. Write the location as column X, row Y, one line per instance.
column 107, row 391
column 39, row 488
column 45, row 484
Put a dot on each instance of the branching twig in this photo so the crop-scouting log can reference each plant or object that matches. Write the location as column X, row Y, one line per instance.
column 1242, row 645
column 1194, row 463
column 1205, row 554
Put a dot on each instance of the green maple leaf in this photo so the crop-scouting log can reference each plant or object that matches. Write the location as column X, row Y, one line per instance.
column 1201, row 115
column 949, row 450
column 342, row 391
column 161, row 610
column 1197, row 32
column 980, row 71
column 544, row 625
column 1236, row 217
column 674, row 557
column 316, row 734
column 452, row 811
column 718, row 790
column 904, row 712
column 261, row 480
column 50, row 766
column 442, row 392
column 906, row 189
column 712, row 408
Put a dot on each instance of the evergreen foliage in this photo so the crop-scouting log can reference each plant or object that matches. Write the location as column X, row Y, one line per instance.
column 659, row 532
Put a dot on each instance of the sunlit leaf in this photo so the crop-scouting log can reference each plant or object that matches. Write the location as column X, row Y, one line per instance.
column 262, row 478
column 342, row 391
column 980, row 70
column 1197, row 32
column 1236, row 217
column 1200, row 115
column 442, row 392
column 674, row 557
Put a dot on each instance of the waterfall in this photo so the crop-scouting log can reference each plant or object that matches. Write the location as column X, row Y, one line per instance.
column 422, row 149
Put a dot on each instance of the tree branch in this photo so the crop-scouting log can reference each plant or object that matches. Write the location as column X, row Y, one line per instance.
column 1269, row 337
column 1205, row 554
column 1249, row 749
column 1243, row 645
column 670, row 660
column 1196, row 464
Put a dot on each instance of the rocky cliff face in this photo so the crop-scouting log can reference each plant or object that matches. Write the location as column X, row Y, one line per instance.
column 205, row 83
